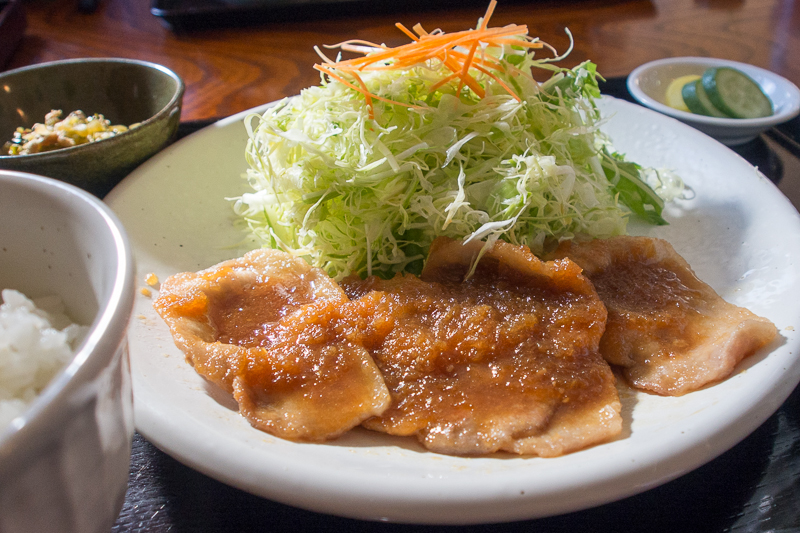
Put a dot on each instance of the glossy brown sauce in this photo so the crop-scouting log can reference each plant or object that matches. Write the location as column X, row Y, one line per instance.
column 307, row 347
column 644, row 287
column 440, row 331
column 652, row 300
column 244, row 307
column 474, row 365
column 507, row 359
column 670, row 331
column 267, row 328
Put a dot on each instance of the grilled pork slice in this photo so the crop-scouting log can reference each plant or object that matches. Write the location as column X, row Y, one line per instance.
column 265, row 327
column 669, row 331
column 505, row 360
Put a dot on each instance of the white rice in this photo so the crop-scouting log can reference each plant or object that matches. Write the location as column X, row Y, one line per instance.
column 37, row 339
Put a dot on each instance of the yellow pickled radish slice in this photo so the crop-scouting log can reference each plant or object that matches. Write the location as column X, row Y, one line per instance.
column 673, row 97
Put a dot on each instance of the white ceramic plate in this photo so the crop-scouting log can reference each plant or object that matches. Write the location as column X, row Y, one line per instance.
column 740, row 234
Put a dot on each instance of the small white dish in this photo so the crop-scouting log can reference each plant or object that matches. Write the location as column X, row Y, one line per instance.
column 648, row 84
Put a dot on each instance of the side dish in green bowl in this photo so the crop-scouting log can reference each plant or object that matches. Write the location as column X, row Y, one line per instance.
column 88, row 122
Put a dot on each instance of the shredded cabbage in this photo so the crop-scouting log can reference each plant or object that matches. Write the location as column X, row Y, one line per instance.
column 358, row 188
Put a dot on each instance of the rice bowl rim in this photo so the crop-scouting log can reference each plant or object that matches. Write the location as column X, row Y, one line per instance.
column 107, row 331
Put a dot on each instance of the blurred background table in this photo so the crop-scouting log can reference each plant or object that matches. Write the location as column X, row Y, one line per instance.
column 233, row 59
column 228, row 69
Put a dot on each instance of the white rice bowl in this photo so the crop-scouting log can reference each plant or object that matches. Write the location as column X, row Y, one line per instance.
column 37, row 339
column 65, row 458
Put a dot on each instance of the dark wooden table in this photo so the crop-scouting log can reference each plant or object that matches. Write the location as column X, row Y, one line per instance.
column 230, row 69
column 232, row 61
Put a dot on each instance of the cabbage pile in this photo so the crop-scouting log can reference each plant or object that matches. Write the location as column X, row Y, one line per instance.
column 358, row 186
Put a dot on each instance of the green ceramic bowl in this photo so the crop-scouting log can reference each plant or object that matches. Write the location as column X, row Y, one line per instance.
column 125, row 91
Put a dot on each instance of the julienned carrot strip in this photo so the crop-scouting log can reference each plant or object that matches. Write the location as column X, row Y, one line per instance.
column 503, row 84
column 406, row 31
column 474, row 47
column 430, row 45
column 402, row 59
column 488, row 62
column 444, row 47
column 367, row 94
column 364, row 91
column 445, row 41
column 467, row 80
column 465, row 68
column 518, row 42
column 419, row 29
column 488, row 15
column 446, row 79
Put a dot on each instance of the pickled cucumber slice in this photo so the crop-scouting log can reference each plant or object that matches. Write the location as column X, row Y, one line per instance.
column 698, row 102
column 735, row 93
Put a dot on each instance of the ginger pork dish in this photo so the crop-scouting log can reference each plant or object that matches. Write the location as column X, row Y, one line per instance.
column 443, row 254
